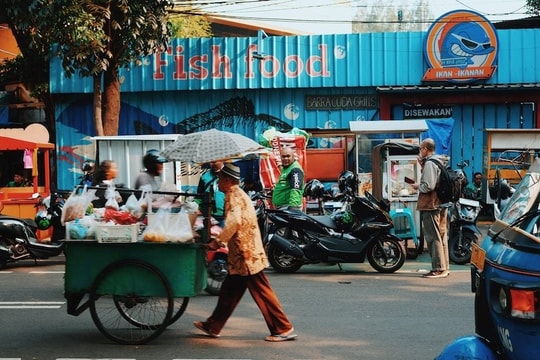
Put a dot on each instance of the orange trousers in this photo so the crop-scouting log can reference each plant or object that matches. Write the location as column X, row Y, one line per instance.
column 232, row 290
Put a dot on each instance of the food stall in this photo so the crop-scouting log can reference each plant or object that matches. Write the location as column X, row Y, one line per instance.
column 391, row 152
column 20, row 201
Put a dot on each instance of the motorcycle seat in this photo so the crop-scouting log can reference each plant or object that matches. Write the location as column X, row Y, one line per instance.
column 326, row 221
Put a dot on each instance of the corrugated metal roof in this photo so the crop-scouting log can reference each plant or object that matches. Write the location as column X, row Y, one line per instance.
column 316, row 61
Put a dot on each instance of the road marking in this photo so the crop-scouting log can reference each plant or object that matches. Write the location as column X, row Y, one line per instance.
column 31, row 305
column 46, row 272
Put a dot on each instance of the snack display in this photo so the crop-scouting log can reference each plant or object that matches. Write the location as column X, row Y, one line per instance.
column 172, row 222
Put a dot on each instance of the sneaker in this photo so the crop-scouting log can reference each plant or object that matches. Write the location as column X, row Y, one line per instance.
column 202, row 326
column 436, row 274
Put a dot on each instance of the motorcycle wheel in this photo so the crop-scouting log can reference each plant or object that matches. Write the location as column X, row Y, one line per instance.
column 217, row 272
column 282, row 262
column 461, row 254
column 386, row 254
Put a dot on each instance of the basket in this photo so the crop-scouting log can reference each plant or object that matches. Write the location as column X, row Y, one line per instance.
column 117, row 233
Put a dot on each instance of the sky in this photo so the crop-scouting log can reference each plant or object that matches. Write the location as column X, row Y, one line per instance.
column 334, row 16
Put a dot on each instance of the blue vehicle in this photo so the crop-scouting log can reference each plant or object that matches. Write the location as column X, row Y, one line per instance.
column 505, row 277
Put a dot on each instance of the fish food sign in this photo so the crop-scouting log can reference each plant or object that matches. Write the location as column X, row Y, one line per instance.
column 460, row 47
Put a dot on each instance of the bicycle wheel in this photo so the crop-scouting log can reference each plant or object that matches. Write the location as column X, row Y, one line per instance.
column 131, row 302
column 179, row 307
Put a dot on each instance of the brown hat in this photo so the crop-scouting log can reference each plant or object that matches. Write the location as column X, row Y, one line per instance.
column 231, row 170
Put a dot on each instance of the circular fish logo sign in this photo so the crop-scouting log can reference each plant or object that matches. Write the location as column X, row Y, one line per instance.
column 461, row 46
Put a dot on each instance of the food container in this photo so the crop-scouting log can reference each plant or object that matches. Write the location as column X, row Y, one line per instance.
column 109, row 233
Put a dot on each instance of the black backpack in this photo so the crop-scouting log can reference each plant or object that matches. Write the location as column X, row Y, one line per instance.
column 449, row 187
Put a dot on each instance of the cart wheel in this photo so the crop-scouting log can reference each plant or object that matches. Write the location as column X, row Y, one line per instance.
column 131, row 302
column 179, row 307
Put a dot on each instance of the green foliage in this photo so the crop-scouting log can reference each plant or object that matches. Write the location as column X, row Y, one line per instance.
column 189, row 26
column 94, row 36
column 533, row 7
column 89, row 35
column 11, row 71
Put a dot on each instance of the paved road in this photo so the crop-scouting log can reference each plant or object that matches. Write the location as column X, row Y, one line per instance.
column 355, row 313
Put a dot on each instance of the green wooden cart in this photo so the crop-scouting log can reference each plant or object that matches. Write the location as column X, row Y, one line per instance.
column 133, row 290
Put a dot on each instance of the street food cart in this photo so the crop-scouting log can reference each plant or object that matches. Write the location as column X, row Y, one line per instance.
column 134, row 285
column 133, row 290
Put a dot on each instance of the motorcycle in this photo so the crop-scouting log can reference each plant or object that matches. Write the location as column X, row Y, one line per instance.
column 216, row 260
column 260, row 199
column 463, row 231
column 361, row 230
column 216, row 266
column 18, row 239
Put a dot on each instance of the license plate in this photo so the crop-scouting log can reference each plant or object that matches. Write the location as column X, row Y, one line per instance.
column 478, row 257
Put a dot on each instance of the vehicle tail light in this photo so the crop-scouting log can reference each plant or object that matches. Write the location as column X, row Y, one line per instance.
column 518, row 302
column 523, row 303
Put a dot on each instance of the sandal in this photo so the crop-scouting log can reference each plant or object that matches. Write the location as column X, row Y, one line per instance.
column 282, row 337
column 202, row 326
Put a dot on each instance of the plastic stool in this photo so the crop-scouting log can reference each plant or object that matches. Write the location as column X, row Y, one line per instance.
column 406, row 232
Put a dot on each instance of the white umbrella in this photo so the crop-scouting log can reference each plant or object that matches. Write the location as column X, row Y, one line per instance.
column 212, row 145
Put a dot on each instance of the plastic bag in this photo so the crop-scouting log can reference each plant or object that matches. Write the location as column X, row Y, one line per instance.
column 165, row 226
column 76, row 205
column 84, row 228
column 119, row 217
column 179, row 229
column 155, row 230
column 132, row 203
column 110, row 195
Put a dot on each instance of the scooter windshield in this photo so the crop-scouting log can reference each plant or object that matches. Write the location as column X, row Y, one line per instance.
column 519, row 222
column 524, row 199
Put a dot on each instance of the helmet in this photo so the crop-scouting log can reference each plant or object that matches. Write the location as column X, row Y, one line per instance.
column 43, row 220
column 347, row 182
column 88, row 166
column 314, row 189
column 467, row 347
column 344, row 219
column 151, row 159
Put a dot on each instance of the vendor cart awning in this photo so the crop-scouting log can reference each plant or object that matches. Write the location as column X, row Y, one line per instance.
column 8, row 143
column 389, row 126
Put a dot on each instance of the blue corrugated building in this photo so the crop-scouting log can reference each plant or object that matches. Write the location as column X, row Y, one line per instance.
column 318, row 83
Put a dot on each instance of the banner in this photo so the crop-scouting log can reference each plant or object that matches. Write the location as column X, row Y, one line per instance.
column 270, row 167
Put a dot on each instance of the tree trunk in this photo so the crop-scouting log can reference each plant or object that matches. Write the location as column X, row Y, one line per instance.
column 111, row 101
column 98, row 119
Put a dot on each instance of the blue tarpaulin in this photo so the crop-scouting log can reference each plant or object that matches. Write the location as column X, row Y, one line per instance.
column 440, row 130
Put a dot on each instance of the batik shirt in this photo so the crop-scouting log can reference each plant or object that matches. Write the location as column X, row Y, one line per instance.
column 241, row 234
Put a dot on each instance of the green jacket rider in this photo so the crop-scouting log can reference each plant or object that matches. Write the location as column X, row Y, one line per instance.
column 289, row 189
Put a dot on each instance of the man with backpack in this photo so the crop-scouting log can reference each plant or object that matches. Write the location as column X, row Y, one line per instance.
column 433, row 213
